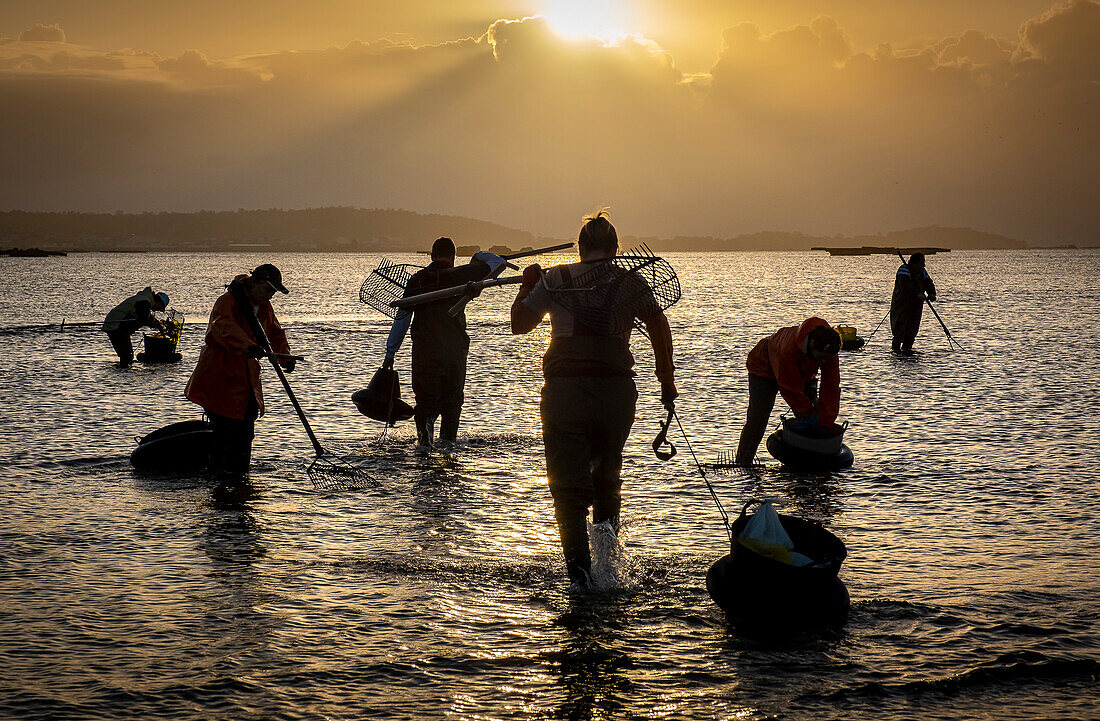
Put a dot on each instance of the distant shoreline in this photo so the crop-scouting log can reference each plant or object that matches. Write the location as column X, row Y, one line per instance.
column 199, row 251
column 359, row 230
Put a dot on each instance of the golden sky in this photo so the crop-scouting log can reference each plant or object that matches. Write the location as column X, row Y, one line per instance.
column 695, row 117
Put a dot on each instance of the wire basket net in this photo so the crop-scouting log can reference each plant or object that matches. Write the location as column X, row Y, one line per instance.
column 385, row 284
column 333, row 473
column 610, row 297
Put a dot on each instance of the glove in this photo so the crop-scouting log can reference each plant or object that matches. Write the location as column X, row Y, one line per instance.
column 472, row 290
column 387, row 364
column 288, row 365
column 532, row 274
column 254, row 351
column 669, row 394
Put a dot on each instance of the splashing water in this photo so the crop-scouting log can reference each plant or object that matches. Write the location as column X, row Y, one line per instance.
column 610, row 563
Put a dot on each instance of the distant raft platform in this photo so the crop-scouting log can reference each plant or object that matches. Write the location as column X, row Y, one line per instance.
column 30, row 252
column 878, row 250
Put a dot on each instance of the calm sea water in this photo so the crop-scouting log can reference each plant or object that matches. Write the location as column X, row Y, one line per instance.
column 970, row 515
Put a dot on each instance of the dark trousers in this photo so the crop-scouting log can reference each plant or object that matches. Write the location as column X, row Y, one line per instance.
column 904, row 325
column 120, row 340
column 762, row 393
column 585, row 424
column 438, row 388
column 232, row 452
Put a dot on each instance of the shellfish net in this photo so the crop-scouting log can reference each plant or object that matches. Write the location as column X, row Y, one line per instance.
column 385, row 284
column 620, row 292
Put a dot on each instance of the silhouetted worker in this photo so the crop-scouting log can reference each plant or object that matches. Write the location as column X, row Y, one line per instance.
column 129, row 315
column 787, row 362
column 440, row 343
column 589, row 396
column 911, row 284
column 226, row 379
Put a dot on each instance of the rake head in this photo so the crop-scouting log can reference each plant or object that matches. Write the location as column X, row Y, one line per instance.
column 333, row 473
column 611, row 296
column 385, row 284
column 725, row 464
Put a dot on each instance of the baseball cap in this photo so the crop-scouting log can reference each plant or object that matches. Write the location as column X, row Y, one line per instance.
column 271, row 275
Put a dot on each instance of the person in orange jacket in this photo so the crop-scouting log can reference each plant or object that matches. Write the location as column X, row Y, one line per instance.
column 226, row 379
column 787, row 362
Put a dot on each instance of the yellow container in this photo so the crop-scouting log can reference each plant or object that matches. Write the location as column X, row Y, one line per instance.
column 847, row 333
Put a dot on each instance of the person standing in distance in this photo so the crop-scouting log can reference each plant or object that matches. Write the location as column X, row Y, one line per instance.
column 226, row 379
column 440, row 343
column 589, row 396
column 911, row 284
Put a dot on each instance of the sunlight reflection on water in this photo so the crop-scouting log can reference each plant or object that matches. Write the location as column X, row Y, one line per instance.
column 970, row 514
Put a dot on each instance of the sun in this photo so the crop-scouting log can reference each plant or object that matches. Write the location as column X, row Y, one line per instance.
column 575, row 19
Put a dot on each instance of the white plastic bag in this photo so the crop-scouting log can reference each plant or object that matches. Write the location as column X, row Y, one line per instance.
column 764, row 534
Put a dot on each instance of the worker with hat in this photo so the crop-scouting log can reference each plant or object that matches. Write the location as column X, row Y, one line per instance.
column 787, row 362
column 128, row 316
column 226, row 379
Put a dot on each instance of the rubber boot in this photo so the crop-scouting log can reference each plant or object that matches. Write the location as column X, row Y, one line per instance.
column 425, row 433
column 574, row 546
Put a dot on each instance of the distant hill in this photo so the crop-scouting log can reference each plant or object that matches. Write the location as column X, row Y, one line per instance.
column 315, row 229
column 386, row 230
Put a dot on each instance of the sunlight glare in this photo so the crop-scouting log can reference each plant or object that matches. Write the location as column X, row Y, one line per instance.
column 576, row 19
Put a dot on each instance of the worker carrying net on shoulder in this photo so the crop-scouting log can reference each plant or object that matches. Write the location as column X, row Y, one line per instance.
column 386, row 284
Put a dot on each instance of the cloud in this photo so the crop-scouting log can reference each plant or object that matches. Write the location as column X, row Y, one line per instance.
column 43, row 34
column 792, row 129
column 191, row 66
column 1066, row 39
column 974, row 48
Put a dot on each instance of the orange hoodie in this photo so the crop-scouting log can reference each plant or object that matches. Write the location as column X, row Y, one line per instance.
column 782, row 358
column 224, row 379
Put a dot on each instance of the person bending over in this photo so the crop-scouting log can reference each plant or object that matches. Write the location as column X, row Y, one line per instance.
column 128, row 316
column 787, row 362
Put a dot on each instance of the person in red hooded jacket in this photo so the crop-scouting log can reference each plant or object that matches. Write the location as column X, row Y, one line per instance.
column 787, row 362
column 226, row 379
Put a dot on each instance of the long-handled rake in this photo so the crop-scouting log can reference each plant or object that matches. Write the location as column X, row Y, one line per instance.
column 386, row 284
column 327, row 471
